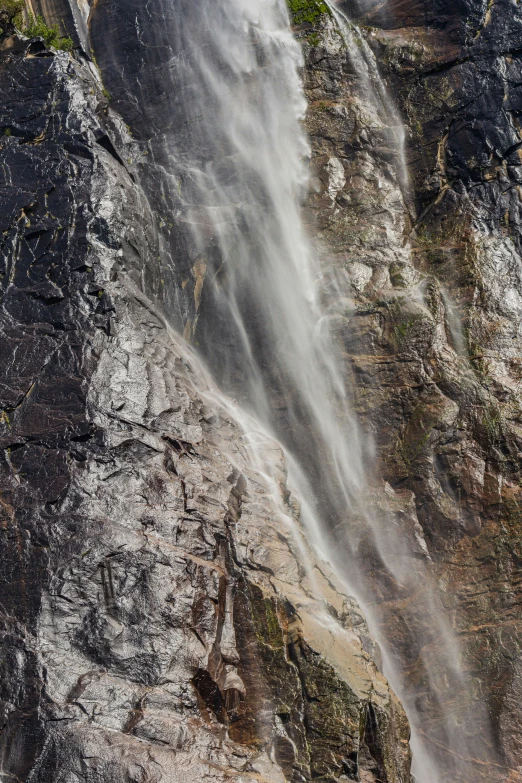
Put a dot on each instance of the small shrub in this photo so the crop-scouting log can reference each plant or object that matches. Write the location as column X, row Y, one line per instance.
column 11, row 15
column 37, row 28
column 313, row 39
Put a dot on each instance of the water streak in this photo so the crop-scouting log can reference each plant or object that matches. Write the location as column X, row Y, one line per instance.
column 374, row 89
column 238, row 172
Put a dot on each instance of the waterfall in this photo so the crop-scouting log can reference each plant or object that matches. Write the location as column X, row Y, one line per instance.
column 235, row 160
column 374, row 90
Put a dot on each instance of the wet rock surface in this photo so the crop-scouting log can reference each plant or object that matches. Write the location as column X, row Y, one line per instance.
column 119, row 595
column 162, row 618
column 432, row 333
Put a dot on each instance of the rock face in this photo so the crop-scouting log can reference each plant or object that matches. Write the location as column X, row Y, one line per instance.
column 157, row 623
column 433, row 346
column 162, row 617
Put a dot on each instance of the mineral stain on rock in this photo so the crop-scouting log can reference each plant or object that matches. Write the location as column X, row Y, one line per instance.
column 158, row 623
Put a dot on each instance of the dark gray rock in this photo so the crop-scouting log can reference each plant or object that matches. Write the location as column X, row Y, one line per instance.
column 157, row 622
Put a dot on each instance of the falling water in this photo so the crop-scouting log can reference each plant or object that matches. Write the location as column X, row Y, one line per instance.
column 235, row 159
column 373, row 88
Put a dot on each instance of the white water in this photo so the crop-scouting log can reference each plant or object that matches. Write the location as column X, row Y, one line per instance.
column 239, row 168
column 373, row 88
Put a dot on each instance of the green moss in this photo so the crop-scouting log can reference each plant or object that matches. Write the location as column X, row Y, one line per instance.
column 416, row 435
column 37, row 28
column 411, row 451
column 491, row 421
column 313, row 39
column 401, row 324
column 106, row 94
column 307, row 11
column 401, row 331
column 266, row 622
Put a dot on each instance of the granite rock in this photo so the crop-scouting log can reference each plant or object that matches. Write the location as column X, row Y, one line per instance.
column 162, row 616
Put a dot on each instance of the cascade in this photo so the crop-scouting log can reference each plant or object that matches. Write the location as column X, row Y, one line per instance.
column 373, row 88
column 235, row 158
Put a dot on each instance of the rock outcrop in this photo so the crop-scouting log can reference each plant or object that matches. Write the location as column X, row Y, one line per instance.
column 162, row 616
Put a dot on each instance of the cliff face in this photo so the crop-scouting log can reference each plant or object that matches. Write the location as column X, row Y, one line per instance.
column 157, row 625
column 162, row 618
column 433, row 345
column 465, row 177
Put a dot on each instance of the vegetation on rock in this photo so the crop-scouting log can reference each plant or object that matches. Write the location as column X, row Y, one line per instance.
column 13, row 19
column 11, row 15
column 307, row 10
column 37, row 28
